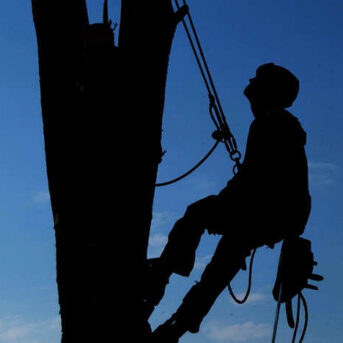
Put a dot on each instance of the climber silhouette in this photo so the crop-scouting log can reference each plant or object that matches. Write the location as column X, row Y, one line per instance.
column 265, row 202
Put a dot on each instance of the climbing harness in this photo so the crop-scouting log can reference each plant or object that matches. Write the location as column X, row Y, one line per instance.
column 223, row 133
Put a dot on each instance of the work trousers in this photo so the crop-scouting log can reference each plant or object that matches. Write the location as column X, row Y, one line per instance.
column 229, row 257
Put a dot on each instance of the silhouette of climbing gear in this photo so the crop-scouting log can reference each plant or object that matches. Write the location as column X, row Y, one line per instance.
column 190, row 171
column 223, row 133
column 247, row 293
column 295, row 269
column 218, row 117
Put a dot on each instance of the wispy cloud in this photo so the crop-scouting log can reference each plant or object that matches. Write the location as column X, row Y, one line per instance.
column 161, row 220
column 201, row 262
column 14, row 330
column 156, row 244
column 203, row 184
column 41, row 197
column 253, row 298
column 237, row 332
column 158, row 240
column 322, row 173
column 161, row 224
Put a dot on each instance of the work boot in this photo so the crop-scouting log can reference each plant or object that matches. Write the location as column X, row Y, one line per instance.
column 157, row 277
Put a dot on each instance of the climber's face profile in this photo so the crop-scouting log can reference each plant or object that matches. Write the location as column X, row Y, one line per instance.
column 252, row 89
column 257, row 94
column 258, row 89
column 272, row 87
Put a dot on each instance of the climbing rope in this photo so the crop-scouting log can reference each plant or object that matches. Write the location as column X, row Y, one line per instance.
column 246, row 296
column 297, row 320
column 218, row 118
column 223, row 133
column 301, row 300
column 190, row 171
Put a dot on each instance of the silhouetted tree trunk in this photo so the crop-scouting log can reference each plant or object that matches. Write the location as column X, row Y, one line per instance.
column 102, row 115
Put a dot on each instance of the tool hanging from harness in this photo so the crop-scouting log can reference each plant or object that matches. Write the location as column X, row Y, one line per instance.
column 295, row 268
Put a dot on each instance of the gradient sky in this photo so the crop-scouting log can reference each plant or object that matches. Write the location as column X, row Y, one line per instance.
column 238, row 36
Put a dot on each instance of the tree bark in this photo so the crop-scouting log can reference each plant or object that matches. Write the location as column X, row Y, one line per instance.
column 102, row 129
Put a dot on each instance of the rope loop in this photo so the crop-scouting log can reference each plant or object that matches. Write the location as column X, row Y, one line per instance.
column 161, row 184
column 246, row 296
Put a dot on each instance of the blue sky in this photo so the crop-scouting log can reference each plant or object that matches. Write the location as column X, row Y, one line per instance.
column 238, row 36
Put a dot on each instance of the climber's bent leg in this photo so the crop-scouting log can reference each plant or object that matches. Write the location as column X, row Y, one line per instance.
column 179, row 254
column 228, row 259
column 183, row 240
column 225, row 264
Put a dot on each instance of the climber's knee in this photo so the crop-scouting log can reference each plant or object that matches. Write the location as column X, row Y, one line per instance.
column 201, row 209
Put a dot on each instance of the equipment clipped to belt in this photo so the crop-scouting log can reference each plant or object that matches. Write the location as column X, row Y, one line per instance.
column 295, row 269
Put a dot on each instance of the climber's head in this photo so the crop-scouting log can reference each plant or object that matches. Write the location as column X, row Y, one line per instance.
column 273, row 86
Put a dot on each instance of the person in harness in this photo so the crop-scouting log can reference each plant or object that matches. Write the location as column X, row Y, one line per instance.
column 267, row 201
